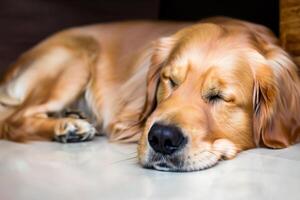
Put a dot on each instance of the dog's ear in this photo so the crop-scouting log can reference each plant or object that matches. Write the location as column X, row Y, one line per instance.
column 276, row 101
column 162, row 49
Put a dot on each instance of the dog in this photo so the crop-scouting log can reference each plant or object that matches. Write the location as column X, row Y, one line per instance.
column 190, row 94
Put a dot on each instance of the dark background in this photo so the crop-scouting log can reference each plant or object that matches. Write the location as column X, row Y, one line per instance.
column 23, row 23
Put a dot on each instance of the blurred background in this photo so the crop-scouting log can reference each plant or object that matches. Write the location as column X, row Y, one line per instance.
column 23, row 23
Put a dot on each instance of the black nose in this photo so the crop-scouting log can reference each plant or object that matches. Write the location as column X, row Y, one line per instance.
column 166, row 139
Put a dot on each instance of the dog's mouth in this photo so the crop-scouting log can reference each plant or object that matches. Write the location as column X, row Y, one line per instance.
column 163, row 166
column 180, row 163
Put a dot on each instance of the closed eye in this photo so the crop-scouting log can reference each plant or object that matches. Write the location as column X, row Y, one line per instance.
column 172, row 83
column 213, row 97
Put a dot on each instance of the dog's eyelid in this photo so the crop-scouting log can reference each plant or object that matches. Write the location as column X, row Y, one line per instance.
column 228, row 98
column 173, row 83
column 168, row 80
column 213, row 96
column 165, row 75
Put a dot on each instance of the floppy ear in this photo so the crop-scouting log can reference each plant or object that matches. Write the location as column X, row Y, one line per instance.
column 161, row 51
column 276, row 101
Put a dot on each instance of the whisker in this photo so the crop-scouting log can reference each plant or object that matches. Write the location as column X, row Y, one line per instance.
column 132, row 153
column 126, row 159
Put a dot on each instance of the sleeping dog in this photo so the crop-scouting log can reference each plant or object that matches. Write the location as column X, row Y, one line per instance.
column 191, row 94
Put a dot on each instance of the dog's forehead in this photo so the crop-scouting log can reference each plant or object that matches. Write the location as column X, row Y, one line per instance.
column 227, row 63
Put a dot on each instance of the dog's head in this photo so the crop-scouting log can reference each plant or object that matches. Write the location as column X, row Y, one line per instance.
column 213, row 91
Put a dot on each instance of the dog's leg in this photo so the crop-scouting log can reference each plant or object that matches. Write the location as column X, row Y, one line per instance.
column 34, row 121
column 40, row 127
column 30, row 121
column 53, row 77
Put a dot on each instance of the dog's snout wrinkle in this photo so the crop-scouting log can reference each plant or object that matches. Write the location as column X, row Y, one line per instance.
column 166, row 139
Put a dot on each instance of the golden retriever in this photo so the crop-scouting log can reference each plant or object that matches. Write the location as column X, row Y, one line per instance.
column 191, row 94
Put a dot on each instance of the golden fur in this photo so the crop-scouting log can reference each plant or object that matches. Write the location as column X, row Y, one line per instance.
column 226, row 83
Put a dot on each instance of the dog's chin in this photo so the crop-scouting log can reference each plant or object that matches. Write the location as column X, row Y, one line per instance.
column 182, row 164
column 163, row 166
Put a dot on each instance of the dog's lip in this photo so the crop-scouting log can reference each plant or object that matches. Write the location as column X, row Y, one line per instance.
column 161, row 162
column 163, row 166
column 178, row 163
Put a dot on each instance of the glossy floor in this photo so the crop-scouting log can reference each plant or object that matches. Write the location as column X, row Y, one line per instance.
column 100, row 170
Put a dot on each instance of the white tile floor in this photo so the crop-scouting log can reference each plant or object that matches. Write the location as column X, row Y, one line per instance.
column 99, row 170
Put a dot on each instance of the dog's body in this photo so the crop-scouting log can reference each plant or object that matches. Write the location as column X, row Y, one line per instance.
column 96, row 64
column 111, row 73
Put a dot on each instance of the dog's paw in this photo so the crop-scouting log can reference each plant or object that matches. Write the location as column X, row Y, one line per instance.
column 74, row 114
column 74, row 130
